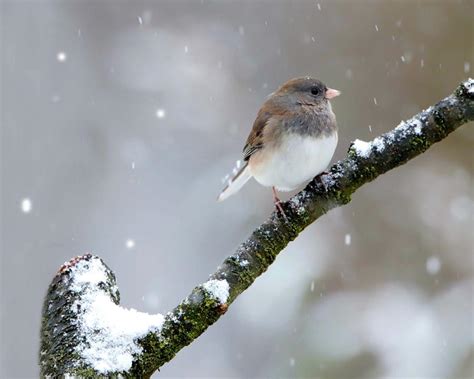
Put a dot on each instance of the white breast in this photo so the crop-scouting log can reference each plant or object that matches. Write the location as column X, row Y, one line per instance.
column 297, row 160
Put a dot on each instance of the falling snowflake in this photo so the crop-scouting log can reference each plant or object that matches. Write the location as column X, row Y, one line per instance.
column 433, row 265
column 160, row 113
column 26, row 205
column 61, row 56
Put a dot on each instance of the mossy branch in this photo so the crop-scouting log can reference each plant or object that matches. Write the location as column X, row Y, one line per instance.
column 74, row 321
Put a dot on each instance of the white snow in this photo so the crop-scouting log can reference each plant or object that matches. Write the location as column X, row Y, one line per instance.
column 130, row 243
column 61, row 56
column 160, row 113
column 109, row 331
column 417, row 126
column 26, row 205
column 379, row 144
column 362, row 148
column 218, row 289
column 433, row 265
column 412, row 125
column 300, row 209
column 469, row 85
column 244, row 263
column 467, row 67
column 88, row 273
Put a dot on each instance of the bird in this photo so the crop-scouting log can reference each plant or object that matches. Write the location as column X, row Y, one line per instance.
column 293, row 139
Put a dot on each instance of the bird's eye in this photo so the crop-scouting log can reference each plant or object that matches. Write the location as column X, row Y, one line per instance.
column 315, row 91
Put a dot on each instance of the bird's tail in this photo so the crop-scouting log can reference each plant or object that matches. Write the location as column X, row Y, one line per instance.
column 241, row 175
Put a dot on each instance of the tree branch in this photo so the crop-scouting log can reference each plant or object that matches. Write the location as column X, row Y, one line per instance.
column 86, row 333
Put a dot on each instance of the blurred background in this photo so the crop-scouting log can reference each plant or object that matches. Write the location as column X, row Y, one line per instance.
column 119, row 120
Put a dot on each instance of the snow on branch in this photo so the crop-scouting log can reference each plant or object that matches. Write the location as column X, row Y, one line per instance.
column 85, row 333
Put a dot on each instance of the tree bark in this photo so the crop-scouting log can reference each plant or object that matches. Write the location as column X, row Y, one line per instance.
column 71, row 302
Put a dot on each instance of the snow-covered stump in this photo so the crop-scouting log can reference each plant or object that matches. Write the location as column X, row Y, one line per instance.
column 85, row 333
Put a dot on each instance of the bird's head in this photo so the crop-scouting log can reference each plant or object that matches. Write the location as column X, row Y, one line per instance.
column 307, row 90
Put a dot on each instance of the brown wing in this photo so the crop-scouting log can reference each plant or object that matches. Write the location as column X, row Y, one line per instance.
column 255, row 141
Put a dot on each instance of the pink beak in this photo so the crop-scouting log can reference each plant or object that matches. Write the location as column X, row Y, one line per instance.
column 330, row 93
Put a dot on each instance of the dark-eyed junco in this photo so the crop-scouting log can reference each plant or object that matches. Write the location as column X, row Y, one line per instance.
column 292, row 140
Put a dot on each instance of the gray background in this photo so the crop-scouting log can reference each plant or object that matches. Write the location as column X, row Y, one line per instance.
column 396, row 302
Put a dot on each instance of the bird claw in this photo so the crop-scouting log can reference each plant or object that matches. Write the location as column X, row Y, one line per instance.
column 277, row 202
column 280, row 209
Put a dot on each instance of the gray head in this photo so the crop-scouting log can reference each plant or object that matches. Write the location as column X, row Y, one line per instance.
column 307, row 90
column 307, row 101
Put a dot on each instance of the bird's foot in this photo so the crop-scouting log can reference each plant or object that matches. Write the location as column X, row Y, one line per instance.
column 277, row 203
column 280, row 209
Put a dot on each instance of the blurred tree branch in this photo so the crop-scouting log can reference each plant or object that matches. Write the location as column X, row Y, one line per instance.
column 68, row 299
